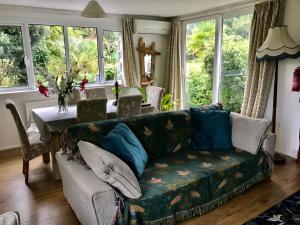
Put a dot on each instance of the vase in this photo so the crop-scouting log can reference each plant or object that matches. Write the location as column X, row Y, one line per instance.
column 62, row 103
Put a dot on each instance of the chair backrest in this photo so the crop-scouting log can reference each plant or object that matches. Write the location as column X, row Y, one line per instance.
column 129, row 105
column 25, row 145
column 91, row 110
column 93, row 93
column 74, row 97
column 154, row 96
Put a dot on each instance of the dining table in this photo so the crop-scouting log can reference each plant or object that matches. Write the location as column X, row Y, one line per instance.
column 50, row 123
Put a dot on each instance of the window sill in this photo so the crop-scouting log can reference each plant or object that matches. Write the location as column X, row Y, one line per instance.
column 4, row 91
column 15, row 90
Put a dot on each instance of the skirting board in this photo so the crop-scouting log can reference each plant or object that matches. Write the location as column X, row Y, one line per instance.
column 4, row 148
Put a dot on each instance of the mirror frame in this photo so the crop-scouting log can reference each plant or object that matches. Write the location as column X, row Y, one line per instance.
column 144, row 50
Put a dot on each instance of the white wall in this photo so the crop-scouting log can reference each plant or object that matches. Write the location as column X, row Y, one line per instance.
column 161, row 45
column 288, row 106
column 11, row 14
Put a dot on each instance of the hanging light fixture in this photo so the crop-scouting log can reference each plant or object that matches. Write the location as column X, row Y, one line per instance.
column 93, row 10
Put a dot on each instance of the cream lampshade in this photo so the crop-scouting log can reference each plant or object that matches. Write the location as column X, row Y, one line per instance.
column 278, row 45
column 93, row 10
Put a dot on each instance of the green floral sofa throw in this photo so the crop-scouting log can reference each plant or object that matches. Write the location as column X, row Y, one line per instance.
column 189, row 183
column 178, row 182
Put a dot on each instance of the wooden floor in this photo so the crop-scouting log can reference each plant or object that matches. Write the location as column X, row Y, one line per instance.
column 43, row 202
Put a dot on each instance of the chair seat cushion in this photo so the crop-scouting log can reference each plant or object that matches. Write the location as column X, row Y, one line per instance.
column 174, row 185
column 37, row 147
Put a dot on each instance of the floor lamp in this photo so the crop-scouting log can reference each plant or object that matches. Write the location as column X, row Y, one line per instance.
column 277, row 46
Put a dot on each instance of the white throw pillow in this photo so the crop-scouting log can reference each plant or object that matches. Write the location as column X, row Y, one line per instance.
column 248, row 133
column 110, row 169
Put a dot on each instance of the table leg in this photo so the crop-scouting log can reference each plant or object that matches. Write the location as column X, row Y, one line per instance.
column 55, row 147
column 298, row 157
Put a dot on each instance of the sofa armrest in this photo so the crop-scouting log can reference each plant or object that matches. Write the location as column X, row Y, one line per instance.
column 10, row 218
column 92, row 200
column 268, row 144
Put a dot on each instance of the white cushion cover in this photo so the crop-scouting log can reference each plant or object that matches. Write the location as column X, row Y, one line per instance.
column 110, row 169
column 248, row 133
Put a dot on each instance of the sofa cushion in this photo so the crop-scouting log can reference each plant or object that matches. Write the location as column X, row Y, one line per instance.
column 170, row 184
column 110, row 169
column 174, row 186
column 211, row 129
column 248, row 133
column 123, row 143
column 228, row 170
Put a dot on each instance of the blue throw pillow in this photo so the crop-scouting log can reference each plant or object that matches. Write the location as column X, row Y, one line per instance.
column 211, row 129
column 122, row 142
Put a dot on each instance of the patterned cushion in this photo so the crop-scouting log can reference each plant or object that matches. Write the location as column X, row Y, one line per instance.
column 173, row 187
column 170, row 184
column 110, row 169
column 228, row 170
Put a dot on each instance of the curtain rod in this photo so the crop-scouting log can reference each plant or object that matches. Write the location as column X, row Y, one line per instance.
column 222, row 9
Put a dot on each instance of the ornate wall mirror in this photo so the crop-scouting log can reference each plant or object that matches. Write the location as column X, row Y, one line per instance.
column 147, row 62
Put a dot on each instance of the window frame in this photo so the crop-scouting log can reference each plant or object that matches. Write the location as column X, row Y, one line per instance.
column 28, row 58
column 217, row 72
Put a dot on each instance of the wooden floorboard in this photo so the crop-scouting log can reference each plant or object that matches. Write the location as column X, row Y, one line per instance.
column 43, row 202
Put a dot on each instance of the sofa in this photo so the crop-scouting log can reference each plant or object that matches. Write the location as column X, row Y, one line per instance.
column 178, row 183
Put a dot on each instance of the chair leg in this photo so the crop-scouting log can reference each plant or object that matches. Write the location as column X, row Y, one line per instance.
column 46, row 157
column 23, row 169
column 26, row 171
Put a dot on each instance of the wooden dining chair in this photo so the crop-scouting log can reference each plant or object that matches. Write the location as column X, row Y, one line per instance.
column 129, row 106
column 31, row 146
column 74, row 97
column 154, row 96
column 91, row 110
column 98, row 92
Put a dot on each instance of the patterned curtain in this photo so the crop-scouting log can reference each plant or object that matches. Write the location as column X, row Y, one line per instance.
column 173, row 82
column 130, row 74
column 260, row 74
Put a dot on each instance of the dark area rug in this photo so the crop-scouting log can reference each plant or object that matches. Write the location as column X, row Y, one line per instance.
column 286, row 212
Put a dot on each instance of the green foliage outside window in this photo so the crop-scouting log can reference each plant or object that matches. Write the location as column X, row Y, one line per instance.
column 12, row 62
column 49, row 56
column 200, row 42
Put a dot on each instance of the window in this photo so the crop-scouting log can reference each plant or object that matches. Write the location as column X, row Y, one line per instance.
column 48, row 50
column 199, row 63
column 55, row 49
column 112, row 55
column 235, row 48
column 12, row 58
column 215, row 62
column 84, row 53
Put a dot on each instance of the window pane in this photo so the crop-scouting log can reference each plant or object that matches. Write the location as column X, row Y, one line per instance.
column 12, row 65
column 236, row 32
column 112, row 53
column 84, row 52
column 199, row 62
column 48, row 50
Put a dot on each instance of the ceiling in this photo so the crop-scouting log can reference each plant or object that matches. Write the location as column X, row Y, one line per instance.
column 163, row 8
